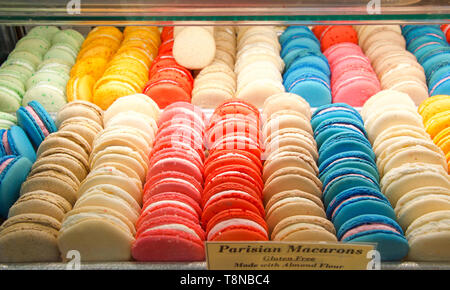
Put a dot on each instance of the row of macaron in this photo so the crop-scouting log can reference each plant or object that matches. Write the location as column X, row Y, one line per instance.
column 119, row 63
column 413, row 171
column 38, row 68
column 248, row 140
column 429, row 45
column 396, row 68
column 351, row 182
column 137, row 48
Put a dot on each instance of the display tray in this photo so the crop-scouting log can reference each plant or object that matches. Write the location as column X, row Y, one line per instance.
column 195, row 266
column 172, row 12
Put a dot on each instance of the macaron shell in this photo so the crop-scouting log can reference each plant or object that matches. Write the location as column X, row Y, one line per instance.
column 12, row 178
column 167, row 246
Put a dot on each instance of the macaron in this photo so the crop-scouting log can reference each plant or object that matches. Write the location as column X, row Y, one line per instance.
column 327, row 129
column 7, row 120
column 391, row 242
column 14, row 170
column 41, row 202
column 331, row 35
column 399, row 181
column 107, row 234
column 343, row 179
column 289, row 178
column 36, row 122
column 349, row 159
column 342, row 142
column 304, row 228
column 338, row 110
column 236, row 225
column 30, row 238
column 419, row 202
column 169, row 238
column 80, row 109
column 427, row 237
column 358, row 201
column 16, row 142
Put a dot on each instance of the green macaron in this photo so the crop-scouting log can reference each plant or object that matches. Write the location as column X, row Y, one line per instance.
column 62, row 51
column 34, row 43
column 48, row 76
column 70, row 37
column 7, row 120
column 25, row 55
column 46, row 32
column 51, row 96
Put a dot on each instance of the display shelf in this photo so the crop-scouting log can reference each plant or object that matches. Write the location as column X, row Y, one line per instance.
column 173, row 12
column 195, row 266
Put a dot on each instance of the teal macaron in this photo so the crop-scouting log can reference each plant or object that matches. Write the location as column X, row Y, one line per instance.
column 378, row 229
column 349, row 159
column 343, row 179
column 13, row 172
column 358, row 201
column 342, row 142
column 14, row 141
column 36, row 122
column 329, row 128
column 336, row 110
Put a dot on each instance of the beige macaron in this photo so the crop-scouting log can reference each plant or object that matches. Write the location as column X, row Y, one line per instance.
column 112, row 175
column 282, row 206
column 421, row 201
column 304, row 228
column 403, row 179
column 428, row 237
column 410, row 150
column 107, row 234
column 289, row 159
column 135, row 103
column 290, row 178
column 80, row 109
column 286, row 101
column 41, row 202
column 29, row 238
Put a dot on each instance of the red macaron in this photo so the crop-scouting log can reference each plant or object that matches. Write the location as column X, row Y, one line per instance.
column 331, row 35
column 172, row 181
column 236, row 225
column 169, row 239
column 230, row 199
column 162, row 202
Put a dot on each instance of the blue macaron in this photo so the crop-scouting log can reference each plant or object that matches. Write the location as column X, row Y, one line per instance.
column 440, row 86
column 343, row 179
column 314, row 59
column 372, row 228
column 438, row 70
column 336, row 110
column 291, row 31
column 411, row 32
column 16, row 142
column 32, row 118
column 13, row 172
column 342, row 142
column 328, row 128
column 358, row 201
column 349, row 159
column 300, row 40
column 314, row 89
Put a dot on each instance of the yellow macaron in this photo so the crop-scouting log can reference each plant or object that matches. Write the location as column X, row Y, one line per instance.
column 80, row 88
column 437, row 123
column 94, row 66
column 434, row 105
